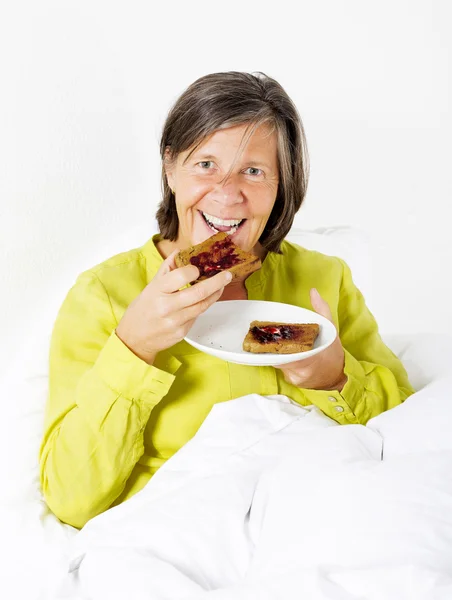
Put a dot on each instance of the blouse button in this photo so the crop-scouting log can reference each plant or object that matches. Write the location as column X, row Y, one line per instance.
column 338, row 409
column 332, row 399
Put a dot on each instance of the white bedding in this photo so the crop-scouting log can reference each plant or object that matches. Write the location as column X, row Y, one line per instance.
column 341, row 525
column 270, row 501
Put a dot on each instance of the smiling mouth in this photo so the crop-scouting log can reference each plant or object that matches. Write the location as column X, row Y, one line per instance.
column 229, row 226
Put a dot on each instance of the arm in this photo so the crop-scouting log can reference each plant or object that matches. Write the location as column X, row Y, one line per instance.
column 375, row 379
column 100, row 398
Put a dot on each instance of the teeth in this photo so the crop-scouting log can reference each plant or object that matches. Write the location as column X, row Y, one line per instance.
column 223, row 222
column 212, row 228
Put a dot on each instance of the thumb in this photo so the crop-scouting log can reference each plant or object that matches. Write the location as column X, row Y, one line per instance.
column 320, row 305
column 168, row 264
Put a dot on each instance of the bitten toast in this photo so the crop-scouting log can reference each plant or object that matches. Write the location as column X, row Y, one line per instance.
column 218, row 253
column 280, row 338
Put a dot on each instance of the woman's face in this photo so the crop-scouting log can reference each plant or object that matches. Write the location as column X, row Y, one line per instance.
column 240, row 205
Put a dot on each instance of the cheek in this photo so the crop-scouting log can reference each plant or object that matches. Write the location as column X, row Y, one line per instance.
column 263, row 207
column 262, row 198
column 191, row 191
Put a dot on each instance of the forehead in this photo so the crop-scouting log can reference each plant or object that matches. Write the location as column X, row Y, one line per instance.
column 229, row 141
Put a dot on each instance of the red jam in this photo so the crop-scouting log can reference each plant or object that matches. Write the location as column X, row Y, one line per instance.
column 221, row 256
column 272, row 333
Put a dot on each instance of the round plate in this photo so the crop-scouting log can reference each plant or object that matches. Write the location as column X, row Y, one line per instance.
column 220, row 330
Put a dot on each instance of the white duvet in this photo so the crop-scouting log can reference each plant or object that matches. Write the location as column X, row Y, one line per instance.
column 271, row 501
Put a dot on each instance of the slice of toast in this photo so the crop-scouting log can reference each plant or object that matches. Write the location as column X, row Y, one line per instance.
column 280, row 338
column 218, row 253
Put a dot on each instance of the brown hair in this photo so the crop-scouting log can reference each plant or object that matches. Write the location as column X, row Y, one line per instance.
column 221, row 100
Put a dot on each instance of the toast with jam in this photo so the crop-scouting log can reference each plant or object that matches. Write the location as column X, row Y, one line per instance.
column 280, row 338
column 218, row 253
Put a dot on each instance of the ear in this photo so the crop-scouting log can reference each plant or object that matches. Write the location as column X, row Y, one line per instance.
column 169, row 163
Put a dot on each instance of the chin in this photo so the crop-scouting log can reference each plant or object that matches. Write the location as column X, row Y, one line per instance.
column 244, row 242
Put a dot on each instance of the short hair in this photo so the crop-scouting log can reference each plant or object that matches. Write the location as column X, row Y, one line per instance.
column 221, row 100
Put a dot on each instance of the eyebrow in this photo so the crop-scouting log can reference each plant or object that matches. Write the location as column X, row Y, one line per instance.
column 251, row 163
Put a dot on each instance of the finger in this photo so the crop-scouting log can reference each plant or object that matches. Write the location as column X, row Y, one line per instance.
column 190, row 313
column 202, row 290
column 178, row 278
column 165, row 270
column 320, row 305
column 191, row 273
column 168, row 264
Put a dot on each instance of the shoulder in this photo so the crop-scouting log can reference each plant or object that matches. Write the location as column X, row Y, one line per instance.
column 296, row 257
column 126, row 262
column 108, row 274
column 140, row 263
column 120, row 278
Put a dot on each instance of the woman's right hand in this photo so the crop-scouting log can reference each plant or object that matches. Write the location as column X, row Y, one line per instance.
column 163, row 313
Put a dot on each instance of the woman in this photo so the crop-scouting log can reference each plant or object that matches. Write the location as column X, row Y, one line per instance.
column 126, row 391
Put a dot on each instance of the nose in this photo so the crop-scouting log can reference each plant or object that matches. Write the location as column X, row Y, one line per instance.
column 228, row 192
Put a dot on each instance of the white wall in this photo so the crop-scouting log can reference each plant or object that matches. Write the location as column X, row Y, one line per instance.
column 85, row 87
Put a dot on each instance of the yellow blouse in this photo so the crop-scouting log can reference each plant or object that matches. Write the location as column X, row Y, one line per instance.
column 112, row 420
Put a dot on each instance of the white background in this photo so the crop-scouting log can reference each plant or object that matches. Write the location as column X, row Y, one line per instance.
column 85, row 88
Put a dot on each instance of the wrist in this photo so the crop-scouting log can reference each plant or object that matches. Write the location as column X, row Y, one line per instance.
column 147, row 357
column 339, row 384
column 341, row 378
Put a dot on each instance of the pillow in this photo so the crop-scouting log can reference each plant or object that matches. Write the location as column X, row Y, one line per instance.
column 426, row 356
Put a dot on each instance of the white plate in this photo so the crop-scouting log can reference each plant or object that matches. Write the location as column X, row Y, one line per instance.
column 220, row 331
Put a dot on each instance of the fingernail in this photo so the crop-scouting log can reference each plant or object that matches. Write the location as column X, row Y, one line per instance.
column 228, row 275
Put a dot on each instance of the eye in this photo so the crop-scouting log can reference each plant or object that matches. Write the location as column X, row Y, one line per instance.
column 206, row 164
column 254, row 171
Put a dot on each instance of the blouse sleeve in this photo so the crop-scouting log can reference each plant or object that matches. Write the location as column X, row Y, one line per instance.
column 377, row 380
column 100, row 398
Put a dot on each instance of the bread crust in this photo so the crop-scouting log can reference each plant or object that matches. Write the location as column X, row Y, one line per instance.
column 306, row 334
column 247, row 263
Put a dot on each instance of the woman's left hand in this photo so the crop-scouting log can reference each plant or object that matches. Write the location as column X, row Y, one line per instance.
column 324, row 371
